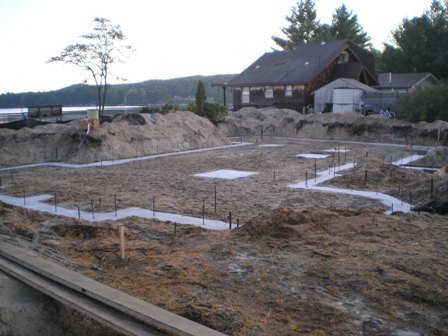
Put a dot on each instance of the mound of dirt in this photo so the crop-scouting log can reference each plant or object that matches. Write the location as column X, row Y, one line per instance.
column 130, row 118
column 278, row 225
column 408, row 184
column 286, row 223
column 342, row 126
column 437, row 157
column 126, row 136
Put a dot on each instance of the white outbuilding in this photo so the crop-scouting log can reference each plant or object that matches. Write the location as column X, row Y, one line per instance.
column 341, row 95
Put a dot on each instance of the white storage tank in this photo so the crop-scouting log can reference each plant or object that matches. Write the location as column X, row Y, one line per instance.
column 346, row 99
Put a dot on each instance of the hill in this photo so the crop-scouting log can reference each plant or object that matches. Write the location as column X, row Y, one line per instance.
column 174, row 91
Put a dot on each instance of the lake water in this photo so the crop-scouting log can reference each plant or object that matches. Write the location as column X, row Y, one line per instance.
column 68, row 112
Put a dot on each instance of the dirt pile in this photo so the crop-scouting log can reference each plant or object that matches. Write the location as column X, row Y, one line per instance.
column 334, row 272
column 126, row 136
column 343, row 126
column 411, row 186
column 438, row 157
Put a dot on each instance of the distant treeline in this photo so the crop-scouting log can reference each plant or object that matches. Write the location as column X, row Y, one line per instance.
column 170, row 91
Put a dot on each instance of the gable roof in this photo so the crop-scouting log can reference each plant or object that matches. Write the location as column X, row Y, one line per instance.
column 404, row 80
column 299, row 66
column 347, row 83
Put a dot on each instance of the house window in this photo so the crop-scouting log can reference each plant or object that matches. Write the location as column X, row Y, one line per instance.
column 343, row 57
column 269, row 92
column 288, row 91
column 245, row 96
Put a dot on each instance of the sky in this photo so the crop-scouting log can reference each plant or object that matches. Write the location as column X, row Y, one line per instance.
column 172, row 38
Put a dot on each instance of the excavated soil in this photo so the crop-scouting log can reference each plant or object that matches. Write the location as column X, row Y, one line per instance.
column 301, row 262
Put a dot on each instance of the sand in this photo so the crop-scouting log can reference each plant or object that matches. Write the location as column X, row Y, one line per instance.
column 302, row 262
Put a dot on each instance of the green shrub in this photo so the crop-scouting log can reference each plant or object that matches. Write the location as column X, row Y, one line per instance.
column 148, row 109
column 427, row 104
column 162, row 109
column 213, row 112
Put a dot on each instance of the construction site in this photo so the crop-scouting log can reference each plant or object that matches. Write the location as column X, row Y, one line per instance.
column 270, row 222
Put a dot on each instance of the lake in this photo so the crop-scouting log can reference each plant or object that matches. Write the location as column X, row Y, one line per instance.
column 68, row 112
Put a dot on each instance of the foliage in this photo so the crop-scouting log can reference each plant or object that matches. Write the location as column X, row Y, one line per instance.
column 345, row 25
column 304, row 28
column 100, row 49
column 427, row 104
column 163, row 109
column 419, row 44
column 201, row 97
column 212, row 111
column 178, row 91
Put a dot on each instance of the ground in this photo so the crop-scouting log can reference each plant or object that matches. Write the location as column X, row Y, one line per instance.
column 302, row 261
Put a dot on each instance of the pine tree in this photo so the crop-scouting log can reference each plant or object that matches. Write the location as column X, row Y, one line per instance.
column 201, row 97
column 345, row 25
column 303, row 26
column 420, row 44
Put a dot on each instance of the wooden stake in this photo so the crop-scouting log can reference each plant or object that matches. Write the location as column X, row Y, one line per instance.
column 306, row 178
column 237, row 223
column 115, row 203
column 91, row 206
column 153, row 207
column 175, row 228
column 55, row 204
column 203, row 212
column 315, row 170
column 79, row 212
column 365, row 178
column 122, row 247
column 402, row 196
column 215, row 197
column 432, row 187
column 230, row 221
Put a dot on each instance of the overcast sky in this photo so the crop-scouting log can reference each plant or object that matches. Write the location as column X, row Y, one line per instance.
column 172, row 38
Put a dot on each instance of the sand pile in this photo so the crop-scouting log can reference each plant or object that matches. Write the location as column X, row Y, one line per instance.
column 126, row 136
column 437, row 157
column 289, row 224
column 411, row 185
column 342, row 126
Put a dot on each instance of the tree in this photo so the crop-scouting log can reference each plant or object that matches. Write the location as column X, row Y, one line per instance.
column 200, row 98
column 101, row 48
column 427, row 104
column 419, row 44
column 303, row 26
column 345, row 25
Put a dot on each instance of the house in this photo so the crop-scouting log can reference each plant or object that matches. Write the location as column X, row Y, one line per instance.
column 341, row 95
column 405, row 82
column 286, row 79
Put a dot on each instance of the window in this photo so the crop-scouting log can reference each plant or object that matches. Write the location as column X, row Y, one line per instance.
column 343, row 57
column 288, row 91
column 268, row 92
column 245, row 96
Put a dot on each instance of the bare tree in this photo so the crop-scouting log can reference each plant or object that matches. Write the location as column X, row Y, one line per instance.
column 103, row 47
